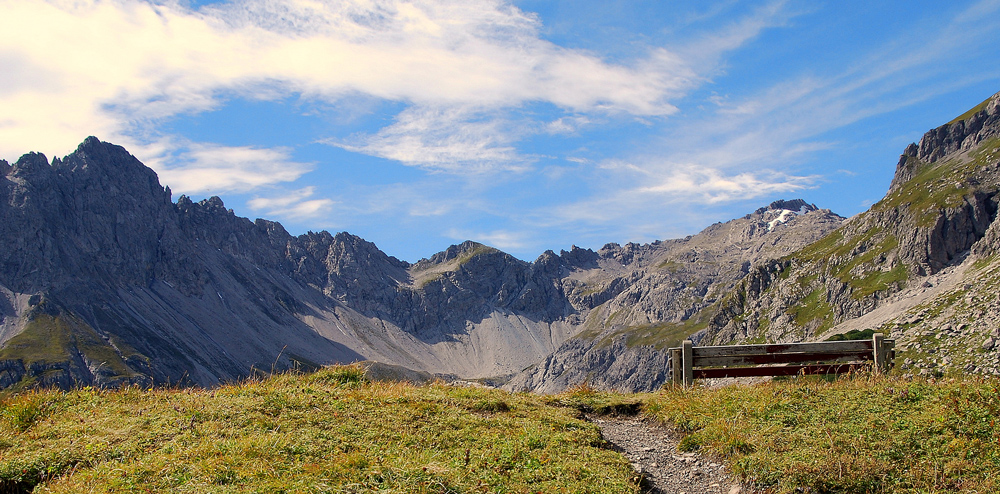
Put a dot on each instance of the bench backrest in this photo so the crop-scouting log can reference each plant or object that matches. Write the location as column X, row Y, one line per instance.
column 689, row 362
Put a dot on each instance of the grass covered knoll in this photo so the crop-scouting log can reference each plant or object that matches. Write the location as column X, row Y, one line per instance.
column 330, row 431
column 861, row 435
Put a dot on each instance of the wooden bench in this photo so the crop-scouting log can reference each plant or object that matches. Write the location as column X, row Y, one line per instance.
column 689, row 362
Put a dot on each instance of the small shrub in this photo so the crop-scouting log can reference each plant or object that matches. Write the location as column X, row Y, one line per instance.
column 21, row 412
column 345, row 375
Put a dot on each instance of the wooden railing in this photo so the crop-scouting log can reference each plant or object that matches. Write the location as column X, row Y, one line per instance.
column 689, row 362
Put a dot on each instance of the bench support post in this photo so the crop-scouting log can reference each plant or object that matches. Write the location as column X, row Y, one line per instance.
column 676, row 367
column 879, row 353
column 688, row 362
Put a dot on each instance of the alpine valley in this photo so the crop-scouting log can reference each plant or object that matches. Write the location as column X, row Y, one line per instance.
column 104, row 280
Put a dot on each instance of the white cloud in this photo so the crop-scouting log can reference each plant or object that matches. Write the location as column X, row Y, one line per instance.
column 93, row 67
column 454, row 140
column 211, row 168
column 295, row 204
column 567, row 125
column 632, row 191
column 711, row 186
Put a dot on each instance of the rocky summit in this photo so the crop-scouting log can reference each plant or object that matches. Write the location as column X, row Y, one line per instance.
column 105, row 280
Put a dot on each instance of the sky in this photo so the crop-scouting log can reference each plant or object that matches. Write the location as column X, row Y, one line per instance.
column 525, row 125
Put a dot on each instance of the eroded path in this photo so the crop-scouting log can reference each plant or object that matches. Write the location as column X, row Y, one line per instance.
column 653, row 450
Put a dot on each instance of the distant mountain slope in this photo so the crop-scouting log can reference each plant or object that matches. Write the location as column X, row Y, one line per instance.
column 105, row 280
column 641, row 299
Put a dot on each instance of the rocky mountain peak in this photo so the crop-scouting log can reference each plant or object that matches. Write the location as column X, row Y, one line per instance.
column 453, row 252
column 763, row 220
column 798, row 205
column 577, row 258
column 4, row 168
column 31, row 166
column 965, row 132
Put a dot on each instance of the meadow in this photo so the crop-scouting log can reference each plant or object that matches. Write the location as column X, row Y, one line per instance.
column 334, row 431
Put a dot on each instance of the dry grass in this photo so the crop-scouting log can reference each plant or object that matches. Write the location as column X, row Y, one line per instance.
column 325, row 432
column 860, row 435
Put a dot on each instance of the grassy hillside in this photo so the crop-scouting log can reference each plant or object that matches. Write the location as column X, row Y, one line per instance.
column 325, row 432
column 332, row 431
column 863, row 435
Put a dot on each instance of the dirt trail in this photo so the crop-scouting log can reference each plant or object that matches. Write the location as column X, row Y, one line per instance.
column 653, row 450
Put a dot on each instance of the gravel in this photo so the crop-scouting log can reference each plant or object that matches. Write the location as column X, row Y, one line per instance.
column 652, row 450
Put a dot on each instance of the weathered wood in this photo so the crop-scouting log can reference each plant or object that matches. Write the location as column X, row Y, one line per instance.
column 783, row 370
column 822, row 346
column 879, row 351
column 781, row 358
column 828, row 357
column 676, row 366
column 688, row 362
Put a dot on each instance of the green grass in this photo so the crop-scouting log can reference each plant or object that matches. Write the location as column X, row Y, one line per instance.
column 54, row 339
column 877, row 281
column 669, row 334
column 854, row 334
column 931, row 190
column 941, row 185
column 477, row 251
column 330, row 431
column 670, row 265
column 813, row 311
column 333, row 431
column 861, row 435
column 974, row 110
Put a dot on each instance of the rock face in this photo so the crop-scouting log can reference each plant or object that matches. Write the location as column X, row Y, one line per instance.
column 105, row 280
column 641, row 299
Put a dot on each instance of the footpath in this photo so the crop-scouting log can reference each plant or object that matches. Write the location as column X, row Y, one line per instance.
column 652, row 450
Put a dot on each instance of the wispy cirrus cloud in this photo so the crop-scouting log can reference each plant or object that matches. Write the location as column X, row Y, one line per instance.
column 454, row 140
column 710, row 186
column 160, row 60
column 631, row 188
column 294, row 204
column 127, row 66
column 783, row 123
column 212, row 168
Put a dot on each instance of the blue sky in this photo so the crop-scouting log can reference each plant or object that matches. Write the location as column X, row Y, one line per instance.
column 525, row 125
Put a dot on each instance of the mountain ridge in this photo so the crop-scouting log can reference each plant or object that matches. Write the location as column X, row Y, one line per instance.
column 142, row 289
column 105, row 281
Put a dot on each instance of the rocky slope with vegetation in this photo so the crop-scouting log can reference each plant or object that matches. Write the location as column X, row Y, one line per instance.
column 937, row 219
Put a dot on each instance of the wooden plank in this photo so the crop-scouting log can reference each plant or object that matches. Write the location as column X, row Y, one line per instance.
column 676, row 368
column 785, row 370
column 880, row 351
column 688, row 361
column 815, row 347
column 782, row 358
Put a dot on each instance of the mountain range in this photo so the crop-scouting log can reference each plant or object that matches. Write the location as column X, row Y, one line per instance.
column 105, row 280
